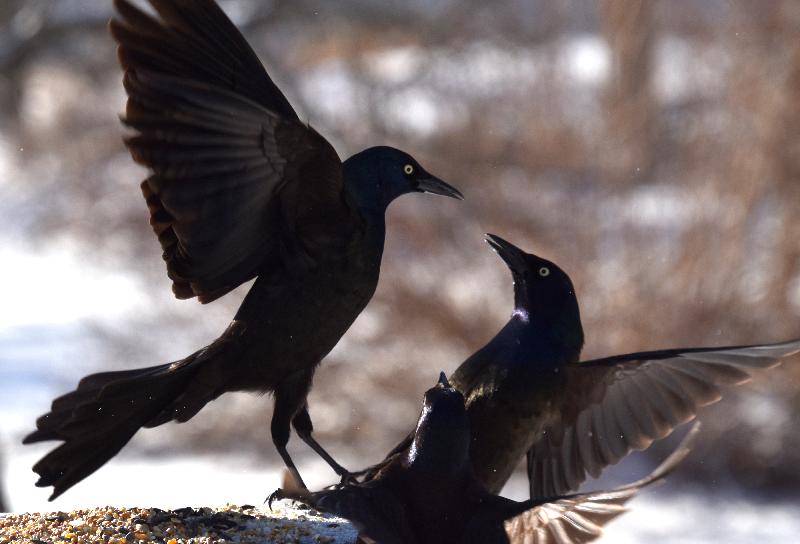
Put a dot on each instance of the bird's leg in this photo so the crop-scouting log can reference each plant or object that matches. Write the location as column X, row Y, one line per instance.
column 280, row 428
column 303, row 426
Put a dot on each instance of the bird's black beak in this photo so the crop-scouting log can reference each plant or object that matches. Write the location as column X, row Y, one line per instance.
column 513, row 256
column 438, row 187
column 443, row 380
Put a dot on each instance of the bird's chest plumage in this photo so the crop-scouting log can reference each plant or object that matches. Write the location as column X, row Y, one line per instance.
column 294, row 323
column 507, row 415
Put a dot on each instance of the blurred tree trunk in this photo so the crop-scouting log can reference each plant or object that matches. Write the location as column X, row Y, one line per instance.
column 789, row 160
column 630, row 108
column 790, row 19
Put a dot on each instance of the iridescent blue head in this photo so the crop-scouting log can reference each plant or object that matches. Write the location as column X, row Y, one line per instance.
column 544, row 296
column 378, row 175
column 441, row 439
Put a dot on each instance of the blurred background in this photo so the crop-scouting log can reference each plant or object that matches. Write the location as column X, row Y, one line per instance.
column 650, row 148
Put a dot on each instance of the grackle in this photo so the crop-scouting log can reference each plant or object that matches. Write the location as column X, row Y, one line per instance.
column 239, row 188
column 429, row 493
column 527, row 393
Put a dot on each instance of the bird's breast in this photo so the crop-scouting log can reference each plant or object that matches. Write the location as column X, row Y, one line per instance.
column 296, row 322
column 505, row 420
column 501, row 441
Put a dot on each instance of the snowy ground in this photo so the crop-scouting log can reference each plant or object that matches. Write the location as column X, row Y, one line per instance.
column 668, row 517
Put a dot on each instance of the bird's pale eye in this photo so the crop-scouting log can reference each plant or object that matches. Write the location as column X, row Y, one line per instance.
column 408, row 169
column 544, row 271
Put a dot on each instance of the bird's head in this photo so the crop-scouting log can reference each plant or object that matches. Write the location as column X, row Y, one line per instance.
column 441, row 439
column 543, row 293
column 378, row 175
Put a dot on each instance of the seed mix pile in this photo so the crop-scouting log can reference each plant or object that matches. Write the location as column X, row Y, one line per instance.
column 230, row 524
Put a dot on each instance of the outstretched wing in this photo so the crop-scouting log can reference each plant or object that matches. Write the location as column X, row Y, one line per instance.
column 238, row 184
column 581, row 518
column 618, row 404
column 195, row 40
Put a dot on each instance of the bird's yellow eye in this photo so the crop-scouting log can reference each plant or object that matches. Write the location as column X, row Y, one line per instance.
column 408, row 169
column 544, row 271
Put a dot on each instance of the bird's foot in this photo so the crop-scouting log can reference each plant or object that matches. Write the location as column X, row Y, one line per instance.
column 355, row 477
column 277, row 495
column 302, row 496
column 348, row 478
column 292, row 487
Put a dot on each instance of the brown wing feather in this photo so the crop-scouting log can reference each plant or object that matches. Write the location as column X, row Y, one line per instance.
column 616, row 405
column 239, row 186
column 194, row 39
column 580, row 518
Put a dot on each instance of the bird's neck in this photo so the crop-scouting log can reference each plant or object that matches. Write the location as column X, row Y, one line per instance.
column 440, row 461
column 552, row 339
column 374, row 215
column 360, row 184
column 439, row 447
column 374, row 223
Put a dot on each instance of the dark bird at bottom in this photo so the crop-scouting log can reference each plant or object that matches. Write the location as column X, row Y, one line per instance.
column 527, row 392
column 240, row 188
column 430, row 494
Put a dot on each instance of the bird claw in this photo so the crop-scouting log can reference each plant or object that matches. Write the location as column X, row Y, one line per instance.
column 354, row 477
column 277, row 495
column 348, row 478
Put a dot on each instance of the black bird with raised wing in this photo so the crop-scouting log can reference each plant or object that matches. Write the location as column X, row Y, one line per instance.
column 527, row 392
column 430, row 494
column 240, row 189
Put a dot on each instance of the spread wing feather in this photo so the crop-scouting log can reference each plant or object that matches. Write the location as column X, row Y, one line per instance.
column 195, row 40
column 580, row 518
column 239, row 186
column 623, row 403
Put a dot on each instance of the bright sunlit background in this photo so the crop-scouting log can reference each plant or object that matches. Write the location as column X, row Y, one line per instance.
column 651, row 149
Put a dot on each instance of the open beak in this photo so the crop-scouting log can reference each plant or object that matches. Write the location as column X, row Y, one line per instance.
column 513, row 256
column 438, row 187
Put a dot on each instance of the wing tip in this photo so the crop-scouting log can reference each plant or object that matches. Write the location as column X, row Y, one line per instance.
column 672, row 461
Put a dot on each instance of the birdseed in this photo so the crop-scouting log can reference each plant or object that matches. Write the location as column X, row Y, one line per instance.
column 227, row 525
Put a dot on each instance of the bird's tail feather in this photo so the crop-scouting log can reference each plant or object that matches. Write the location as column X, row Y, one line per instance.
column 104, row 412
